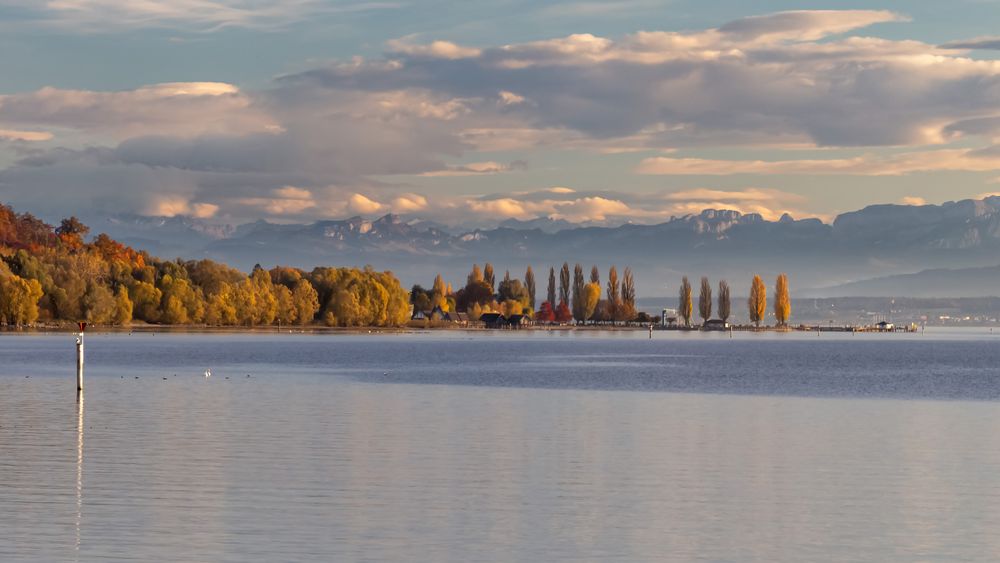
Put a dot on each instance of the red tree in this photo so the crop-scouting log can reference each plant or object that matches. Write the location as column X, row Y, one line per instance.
column 545, row 313
column 563, row 314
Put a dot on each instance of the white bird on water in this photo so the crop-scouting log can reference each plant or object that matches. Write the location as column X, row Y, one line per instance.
column 208, row 373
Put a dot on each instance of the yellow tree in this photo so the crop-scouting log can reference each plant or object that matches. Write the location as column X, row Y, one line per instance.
column 782, row 302
column 757, row 304
column 592, row 298
column 614, row 297
column 684, row 306
column 439, row 294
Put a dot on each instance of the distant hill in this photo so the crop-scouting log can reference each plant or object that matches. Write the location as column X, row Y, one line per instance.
column 966, row 282
column 875, row 242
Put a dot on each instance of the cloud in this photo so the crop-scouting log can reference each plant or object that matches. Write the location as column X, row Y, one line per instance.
column 983, row 160
column 805, row 25
column 914, row 200
column 358, row 135
column 358, row 203
column 95, row 16
column 478, row 168
column 990, row 42
column 30, row 136
column 180, row 108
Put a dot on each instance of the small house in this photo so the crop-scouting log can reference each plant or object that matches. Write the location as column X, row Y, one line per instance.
column 493, row 320
column 518, row 321
column 716, row 324
column 885, row 326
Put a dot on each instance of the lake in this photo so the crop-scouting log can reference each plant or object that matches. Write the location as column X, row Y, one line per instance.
column 531, row 446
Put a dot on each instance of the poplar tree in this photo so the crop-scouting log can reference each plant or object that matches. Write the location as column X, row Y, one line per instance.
column 724, row 301
column 782, row 302
column 595, row 275
column 551, row 293
column 529, row 284
column 489, row 277
column 614, row 297
column 579, row 294
column 564, row 284
column 628, row 295
column 757, row 304
column 705, row 300
column 684, row 304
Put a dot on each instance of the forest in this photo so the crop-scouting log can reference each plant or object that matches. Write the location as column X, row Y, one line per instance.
column 51, row 274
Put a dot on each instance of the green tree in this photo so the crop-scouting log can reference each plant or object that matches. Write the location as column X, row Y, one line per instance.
column 564, row 287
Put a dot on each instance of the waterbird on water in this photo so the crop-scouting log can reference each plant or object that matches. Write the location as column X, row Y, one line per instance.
column 208, row 373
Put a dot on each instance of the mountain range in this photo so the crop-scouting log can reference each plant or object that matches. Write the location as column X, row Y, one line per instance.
column 956, row 240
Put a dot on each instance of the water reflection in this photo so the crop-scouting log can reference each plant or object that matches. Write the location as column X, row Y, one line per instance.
column 79, row 467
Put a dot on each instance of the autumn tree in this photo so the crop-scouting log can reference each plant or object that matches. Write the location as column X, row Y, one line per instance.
column 564, row 287
column 684, row 304
column 592, row 295
column 579, row 302
column 529, row 284
column 724, row 301
column 122, row 314
column 757, row 303
column 305, row 301
column 489, row 277
column 705, row 300
column 550, row 294
column 782, row 302
column 439, row 294
column 595, row 275
column 614, row 295
column 628, row 310
column 545, row 313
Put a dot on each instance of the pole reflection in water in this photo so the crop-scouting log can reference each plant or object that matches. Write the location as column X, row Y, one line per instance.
column 79, row 466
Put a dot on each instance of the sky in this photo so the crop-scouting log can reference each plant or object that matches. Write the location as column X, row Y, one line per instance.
column 475, row 112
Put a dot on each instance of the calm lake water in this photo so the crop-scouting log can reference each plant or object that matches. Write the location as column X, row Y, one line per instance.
column 502, row 447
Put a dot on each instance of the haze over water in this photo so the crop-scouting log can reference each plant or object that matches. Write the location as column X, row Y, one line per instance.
column 498, row 447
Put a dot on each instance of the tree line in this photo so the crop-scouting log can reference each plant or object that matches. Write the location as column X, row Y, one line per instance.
column 756, row 303
column 574, row 297
column 51, row 274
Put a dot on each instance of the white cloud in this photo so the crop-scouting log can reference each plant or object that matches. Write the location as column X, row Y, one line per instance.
column 30, row 136
column 866, row 165
column 180, row 108
column 358, row 203
column 95, row 16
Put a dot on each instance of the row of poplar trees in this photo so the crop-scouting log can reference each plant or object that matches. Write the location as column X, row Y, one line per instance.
column 756, row 303
column 573, row 297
